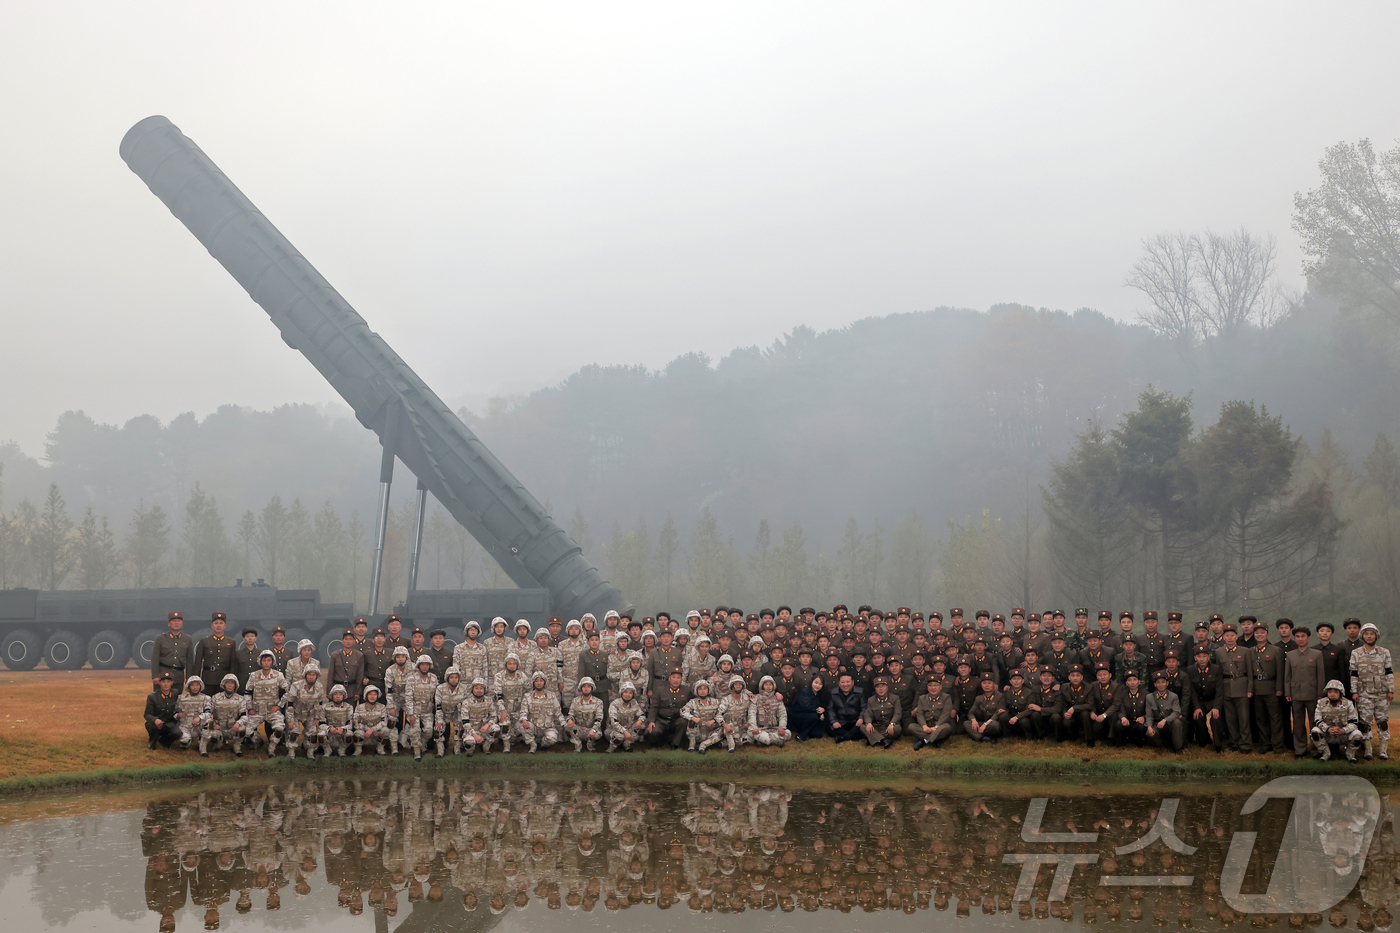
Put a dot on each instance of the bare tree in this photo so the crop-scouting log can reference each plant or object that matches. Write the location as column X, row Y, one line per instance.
column 1235, row 272
column 1166, row 275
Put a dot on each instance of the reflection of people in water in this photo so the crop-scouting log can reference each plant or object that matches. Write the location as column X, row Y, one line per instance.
column 488, row 845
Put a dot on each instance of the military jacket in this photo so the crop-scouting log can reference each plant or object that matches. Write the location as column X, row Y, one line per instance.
column 227, row 708
column 987, row 708
column 265, row 690
column 767, row 712
column 477, row 711
column 447, row 702
column 395, row 682
column 337, row 715
column 194, row 709
column 880, row 711
column 304, row 702
column 735, row 710
column 1371, row 671
column 172, row 652
column 420, row 694
column 1330, row 715
column 370, row 716
column 541, row 709
column 473, row 660
column 586, row 712
column 934, row 711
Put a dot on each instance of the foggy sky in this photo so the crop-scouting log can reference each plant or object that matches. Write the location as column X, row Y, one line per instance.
column 509, row 191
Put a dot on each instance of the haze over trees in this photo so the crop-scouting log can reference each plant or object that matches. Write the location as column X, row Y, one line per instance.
column 1232, row 450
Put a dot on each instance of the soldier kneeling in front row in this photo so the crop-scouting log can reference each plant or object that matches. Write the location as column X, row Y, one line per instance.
column 371, row 722
column 1335, row 723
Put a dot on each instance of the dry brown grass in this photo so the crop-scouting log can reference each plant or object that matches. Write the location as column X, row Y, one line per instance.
column 62, row 722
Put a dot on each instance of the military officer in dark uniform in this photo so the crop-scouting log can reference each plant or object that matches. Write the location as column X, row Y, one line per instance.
column 394, row 637
column 378, row 658
column 1075, row 708
column 245, row 656
column 213, row 655
column 281, row 654
column 441, row 652
column 172, row 653
column 1150, row 644
column 348, row 667
column 593, row 662
column 1237, row 689
column 881, row 717
column 1267, row 703
column 161, row 707
column 1176, row 639
column 1204, row 719
column 361, row 629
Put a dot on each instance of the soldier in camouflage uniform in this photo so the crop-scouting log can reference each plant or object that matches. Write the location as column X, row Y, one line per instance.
column 511, row 687
column 265, row 687
column 1373, row 687
column 1335, row 722
column 302, row 705
column 626, row 718
column 471, row 657
column 546, row 660
column 371, row 721
column 336, row 728
column 585, row 718
column 395, row 683
column 447, row 712
column 482, row 718
column 618, row 656
column 540, row 719
column 704, row 726
column 193, row 712
column 296, row 667
column 768, row 715
column 228, row 708
column 497, row 647
column 734, row 713
column 570, row 648
column 419, row 706
column 699, row 663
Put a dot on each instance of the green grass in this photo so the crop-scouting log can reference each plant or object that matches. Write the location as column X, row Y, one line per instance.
column 819, row 761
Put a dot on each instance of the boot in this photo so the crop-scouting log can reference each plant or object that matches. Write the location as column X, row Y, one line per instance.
column 1351, row 754
column 1367, row 752
column 612, row 747
column 505, row 746
column 920, row 744
column 379, row 746
column 238, row 748
column 1385, row 746
column 272, row 745
column 590, row 745
column 204, row 748
column 531, row 744
column 578, row 746
column 440, row 747
column 1324, row 751
column 341, row 751
column 394, row 745
column 291, row 750
column 356, row 753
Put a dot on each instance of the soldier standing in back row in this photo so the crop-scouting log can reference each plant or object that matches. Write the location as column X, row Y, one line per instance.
column 245, row 656
column 173, row 654
column 213, row 655
column 1237, row 687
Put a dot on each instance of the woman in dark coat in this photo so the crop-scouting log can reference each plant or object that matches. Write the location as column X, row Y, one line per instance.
column 808, row 719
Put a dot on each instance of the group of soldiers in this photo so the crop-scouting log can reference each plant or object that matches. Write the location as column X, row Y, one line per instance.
column 451, row 849
column 725, row 679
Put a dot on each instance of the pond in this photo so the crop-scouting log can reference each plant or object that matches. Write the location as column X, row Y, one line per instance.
column 413, row 854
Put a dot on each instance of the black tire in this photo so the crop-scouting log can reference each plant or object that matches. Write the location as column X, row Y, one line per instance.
column 109, row 651
column 21, row 650
column 65, row 651
column 142, row 645
column 330, row 643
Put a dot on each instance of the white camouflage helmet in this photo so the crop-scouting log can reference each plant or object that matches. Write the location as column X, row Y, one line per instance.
column 574, row 624
column 370, row 688
column 400, row 650
column 682, row 633
column 423, row 659
column 589, row 615
column 1335, row 685
column 541, row 633
column 266, row 653
column 692, row 614
column 586, row 680
column 306, row 643
column 471, row 625
column 522, row 623
column 196, row 679
column 611, row 614
column 454, row 669
column 340, row 689
column 1371, row 626
column 626, row 686
column 702, row 683
column 497, row 621
column 478, row 682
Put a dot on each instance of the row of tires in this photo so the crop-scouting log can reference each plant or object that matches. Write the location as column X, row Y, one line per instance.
column 65, row 650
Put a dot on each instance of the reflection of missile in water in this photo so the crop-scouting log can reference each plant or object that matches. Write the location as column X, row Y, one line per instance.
column 413, row 424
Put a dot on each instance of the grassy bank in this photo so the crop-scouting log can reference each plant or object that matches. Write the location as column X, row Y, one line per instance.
column 83, row 730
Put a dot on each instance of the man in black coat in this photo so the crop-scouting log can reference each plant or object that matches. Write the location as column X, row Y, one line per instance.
column 161, row 707
column 847, row 703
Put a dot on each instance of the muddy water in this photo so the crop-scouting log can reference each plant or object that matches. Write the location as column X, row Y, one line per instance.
column 541, row 855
